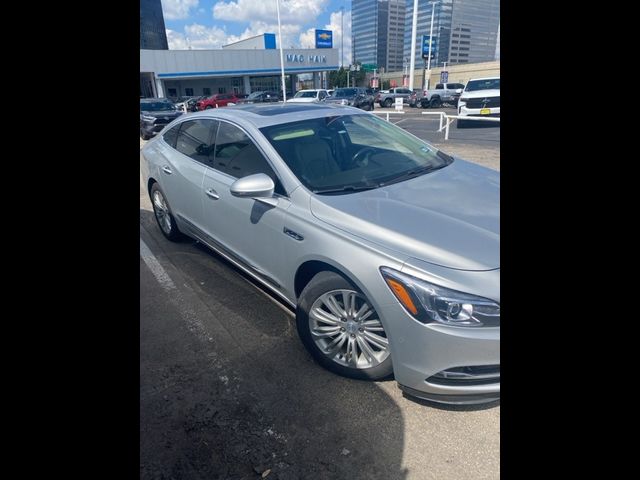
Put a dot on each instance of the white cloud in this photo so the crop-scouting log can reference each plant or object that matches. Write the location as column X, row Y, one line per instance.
column 200, row 37
column 177, row 9
column 308, row 38
column 289, row 33
column 291, row 11
column 176, row 40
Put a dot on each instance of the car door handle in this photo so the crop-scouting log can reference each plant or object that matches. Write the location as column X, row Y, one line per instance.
column 167, row 170
column 212, row 193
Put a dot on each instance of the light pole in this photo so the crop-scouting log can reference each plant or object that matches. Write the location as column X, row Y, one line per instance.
column 428, row 74
column 342, row 36
column 284, row 87
column 412, row 68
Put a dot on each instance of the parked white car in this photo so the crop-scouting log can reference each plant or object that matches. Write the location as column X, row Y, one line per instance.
column 309, row 96
column 480, row 98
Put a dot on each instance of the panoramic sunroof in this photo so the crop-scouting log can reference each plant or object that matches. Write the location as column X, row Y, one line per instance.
column 276, row 109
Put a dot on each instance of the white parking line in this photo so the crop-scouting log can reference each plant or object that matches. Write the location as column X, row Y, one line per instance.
column 158, row 271
column 184, row 307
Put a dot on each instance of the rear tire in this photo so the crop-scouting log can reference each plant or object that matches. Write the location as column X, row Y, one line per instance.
column 336, row 340
column 435, row 102
column 388, row 102
column 164, row 217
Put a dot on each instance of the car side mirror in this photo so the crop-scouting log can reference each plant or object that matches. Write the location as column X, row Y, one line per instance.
column 259, row 186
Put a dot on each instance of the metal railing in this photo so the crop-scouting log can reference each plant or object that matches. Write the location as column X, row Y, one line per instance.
column 445, row 117
column 388, row 113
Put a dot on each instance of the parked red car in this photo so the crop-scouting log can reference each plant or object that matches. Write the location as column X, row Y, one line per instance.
column 217, row 100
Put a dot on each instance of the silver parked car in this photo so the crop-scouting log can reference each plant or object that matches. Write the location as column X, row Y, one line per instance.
column 387, row 248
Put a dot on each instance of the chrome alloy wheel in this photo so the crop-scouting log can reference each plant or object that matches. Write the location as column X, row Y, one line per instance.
column 346, row 328
column 161, row 210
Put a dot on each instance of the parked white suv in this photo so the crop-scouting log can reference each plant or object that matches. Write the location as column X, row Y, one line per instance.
column 481, row 97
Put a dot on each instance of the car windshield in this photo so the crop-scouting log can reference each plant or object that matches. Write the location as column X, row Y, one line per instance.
column 308, row 94
column 491, row 84
column 156, row 106
column 347, row 153
column 345, row 92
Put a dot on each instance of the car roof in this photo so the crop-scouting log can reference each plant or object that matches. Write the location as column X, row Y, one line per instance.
column 264, row 115
column 483, row 78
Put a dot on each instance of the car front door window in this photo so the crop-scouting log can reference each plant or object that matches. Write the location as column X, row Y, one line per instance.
column 238, row 156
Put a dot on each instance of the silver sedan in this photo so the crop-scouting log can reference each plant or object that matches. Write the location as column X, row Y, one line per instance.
column 387, row 248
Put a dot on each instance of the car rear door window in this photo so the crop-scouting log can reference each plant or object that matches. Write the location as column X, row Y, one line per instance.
column 238, row 156
column 439, row 87
column 195, row 140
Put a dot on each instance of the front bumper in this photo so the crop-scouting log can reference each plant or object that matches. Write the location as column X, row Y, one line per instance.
column 478, row 112
column 429, row 359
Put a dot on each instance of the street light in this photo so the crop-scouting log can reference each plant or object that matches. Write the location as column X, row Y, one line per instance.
column 284, row 87
column 414, row 27
column 427, row 75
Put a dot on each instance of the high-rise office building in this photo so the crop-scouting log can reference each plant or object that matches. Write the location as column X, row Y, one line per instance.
column 377, row 32
column 464, row 31
column 153, row 35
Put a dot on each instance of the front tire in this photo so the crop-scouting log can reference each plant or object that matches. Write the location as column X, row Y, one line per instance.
column 164, row 217
column 341, row 330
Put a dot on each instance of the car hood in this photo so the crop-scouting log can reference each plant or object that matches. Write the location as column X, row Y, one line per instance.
column 449, row 217
column 481, row 94
column 161, row 113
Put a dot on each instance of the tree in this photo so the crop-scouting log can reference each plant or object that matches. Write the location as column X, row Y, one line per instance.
column 338, row 78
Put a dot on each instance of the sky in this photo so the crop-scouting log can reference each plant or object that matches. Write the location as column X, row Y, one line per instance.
column 209, row 24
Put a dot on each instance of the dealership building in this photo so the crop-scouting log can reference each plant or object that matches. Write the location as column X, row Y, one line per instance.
column 247, row 66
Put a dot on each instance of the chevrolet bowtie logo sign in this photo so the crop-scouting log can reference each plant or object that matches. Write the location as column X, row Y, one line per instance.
column 324, row 39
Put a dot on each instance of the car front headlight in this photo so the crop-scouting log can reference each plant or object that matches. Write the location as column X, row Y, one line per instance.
column 430, row 303
column 462, row 101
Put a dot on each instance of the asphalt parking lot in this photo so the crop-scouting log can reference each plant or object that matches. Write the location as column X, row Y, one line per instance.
column 479, row 143
column 227, row 390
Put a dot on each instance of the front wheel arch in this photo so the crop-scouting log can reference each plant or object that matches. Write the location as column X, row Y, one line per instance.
column 150, row 184
column 310, row 269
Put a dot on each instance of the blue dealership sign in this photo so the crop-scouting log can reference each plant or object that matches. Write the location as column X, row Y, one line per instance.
column 426, row 40
column 324, row 38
